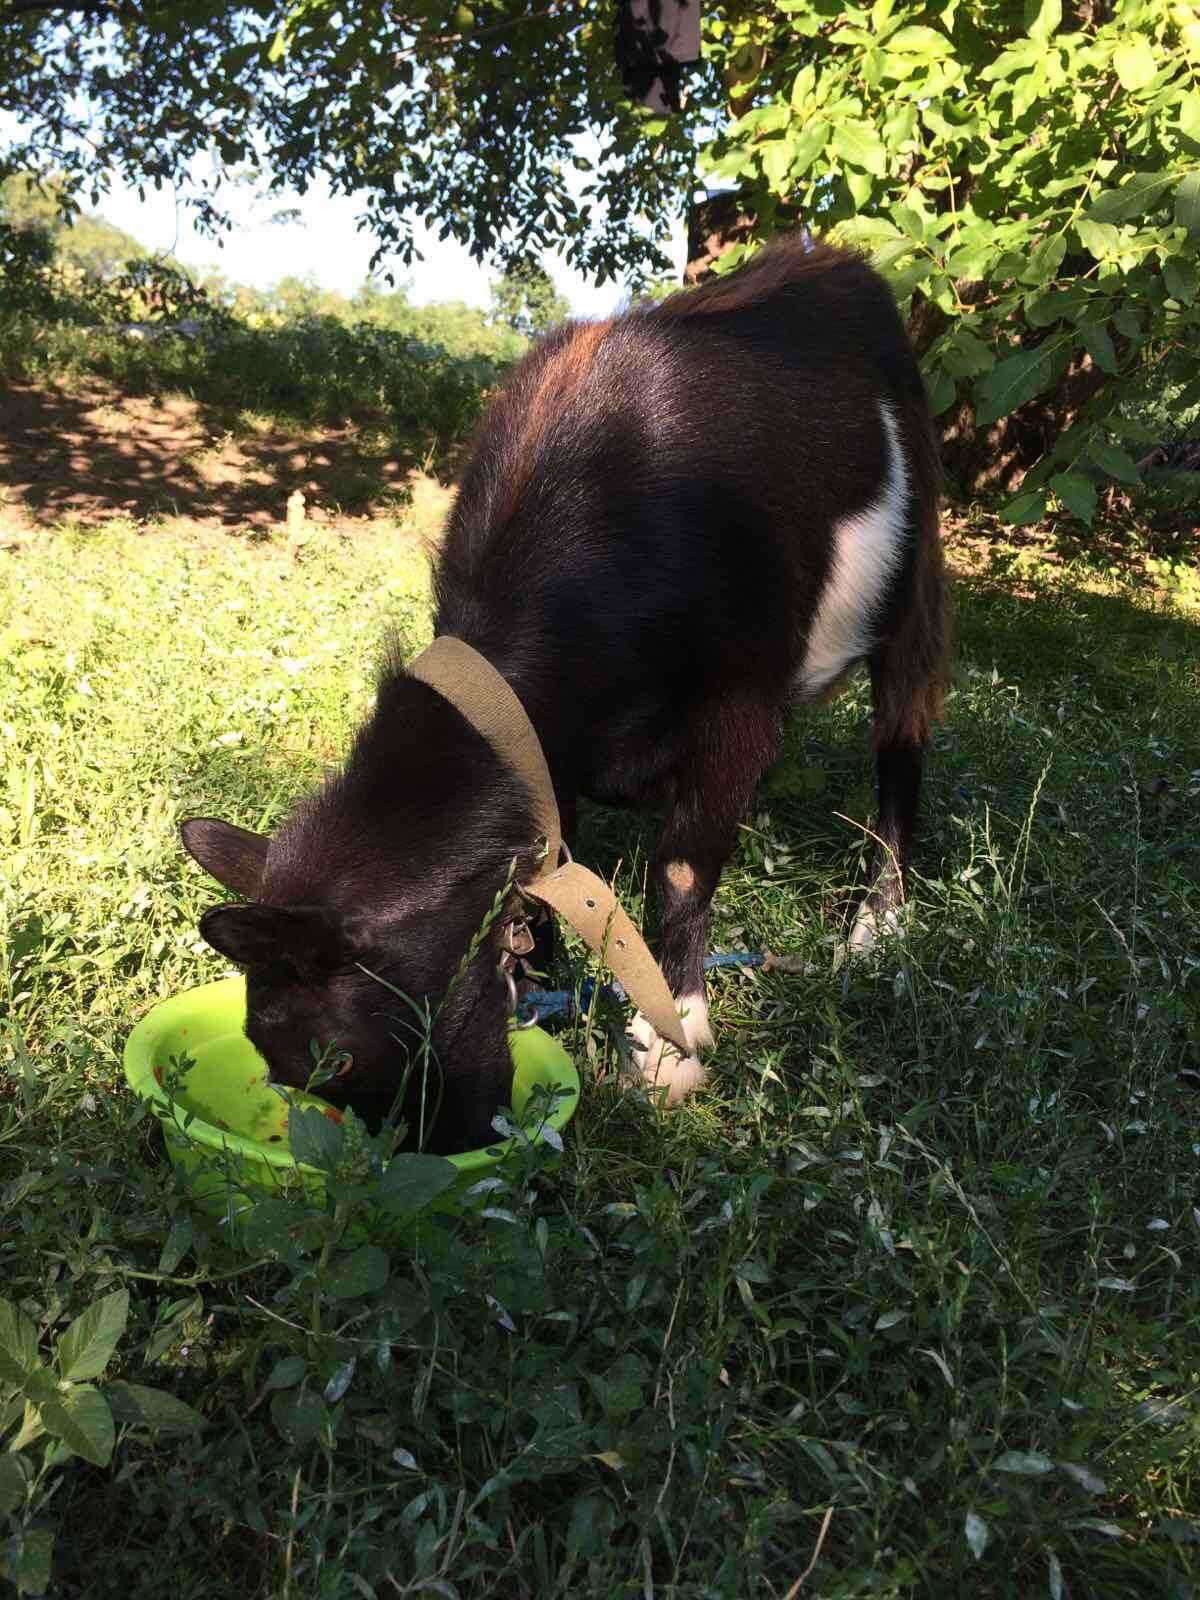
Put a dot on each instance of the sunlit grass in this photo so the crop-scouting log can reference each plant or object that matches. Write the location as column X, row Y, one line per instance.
column 918, row 1272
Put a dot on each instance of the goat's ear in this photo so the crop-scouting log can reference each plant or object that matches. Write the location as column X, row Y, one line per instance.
column 301, row 937
column 233, row 856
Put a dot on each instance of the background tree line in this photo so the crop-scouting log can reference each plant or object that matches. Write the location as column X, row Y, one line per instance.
column 1027, row 176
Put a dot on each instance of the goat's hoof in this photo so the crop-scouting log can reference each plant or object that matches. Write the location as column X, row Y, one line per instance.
column 659, row 1061
column 872, row 924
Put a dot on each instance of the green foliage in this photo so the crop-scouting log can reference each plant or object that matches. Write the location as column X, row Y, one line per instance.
column 526, row 300
column 52, row 265
column 48, row 1405
column 1030, row 178
column 88, row 243
column 1035, row 178
column 293, row 351
column 467, row 116
column 317, row 370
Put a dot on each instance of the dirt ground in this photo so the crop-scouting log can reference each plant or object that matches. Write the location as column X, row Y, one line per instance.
column 89, row 453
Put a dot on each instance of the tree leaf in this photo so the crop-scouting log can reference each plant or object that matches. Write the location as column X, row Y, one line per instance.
column 977, row 1533
column 1047, row 21
column 1077, row 493
column 1025, row 1463
column 1143, row 191
column 410, row 1181
column 314, row 1138
column 87, row 1346
column 1181, row 279
column 1187, row 204
column 860, row 185
column 1113, row 460
column 776, row 161
column 1098, row 343
column 1045, row 259
column 1016, row 379
column 861, row 146
column 1024, row 508
column 904, row 280
column 12, row 1483
column 942, row 390
column 808, row 147
column 81, row 1418
column 1099, row 239
column 138, row 1406
column 802, row 87
column 918, row 41
column 869, row 232
column 1133, row 63
column 964, row 355
column 18, row 1345
column 361, row 1272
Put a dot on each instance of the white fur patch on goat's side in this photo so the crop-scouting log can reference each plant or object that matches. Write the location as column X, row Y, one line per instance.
column 867, row 549
column 658, row 1060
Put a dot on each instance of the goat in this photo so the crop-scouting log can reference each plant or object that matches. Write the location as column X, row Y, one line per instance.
column 673, row 525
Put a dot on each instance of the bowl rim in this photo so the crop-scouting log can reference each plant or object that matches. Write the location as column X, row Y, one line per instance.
column 139, row 1065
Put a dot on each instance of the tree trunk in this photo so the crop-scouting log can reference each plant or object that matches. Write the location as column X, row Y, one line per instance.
column 994, row 459
column 718, row 222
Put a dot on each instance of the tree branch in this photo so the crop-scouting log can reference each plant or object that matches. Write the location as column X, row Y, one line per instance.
column 17, row 8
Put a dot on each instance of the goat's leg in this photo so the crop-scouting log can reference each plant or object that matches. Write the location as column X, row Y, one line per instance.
column 905, row 706
column 710, row 796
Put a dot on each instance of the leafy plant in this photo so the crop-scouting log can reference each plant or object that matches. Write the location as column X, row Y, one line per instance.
column 56, row 1406
column 1028, row 183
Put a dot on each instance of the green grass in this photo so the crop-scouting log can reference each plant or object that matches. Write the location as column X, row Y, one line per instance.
column 925, row 1252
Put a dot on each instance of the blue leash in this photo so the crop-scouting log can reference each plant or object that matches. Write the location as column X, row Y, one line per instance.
column 550, row 1003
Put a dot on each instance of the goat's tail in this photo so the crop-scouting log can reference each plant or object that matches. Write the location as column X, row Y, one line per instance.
column 911, row 669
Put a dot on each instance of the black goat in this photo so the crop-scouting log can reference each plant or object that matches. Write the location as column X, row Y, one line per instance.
column 673, row 526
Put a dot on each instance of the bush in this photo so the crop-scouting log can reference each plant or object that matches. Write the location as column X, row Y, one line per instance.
column 316, row 369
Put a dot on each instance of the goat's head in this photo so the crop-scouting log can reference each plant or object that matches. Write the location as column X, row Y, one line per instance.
column 359, row 915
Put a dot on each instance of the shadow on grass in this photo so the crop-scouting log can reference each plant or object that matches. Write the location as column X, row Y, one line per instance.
column 92, row 452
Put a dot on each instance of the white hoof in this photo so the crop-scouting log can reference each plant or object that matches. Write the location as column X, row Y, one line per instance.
column 869, row 927
column 660, row 1062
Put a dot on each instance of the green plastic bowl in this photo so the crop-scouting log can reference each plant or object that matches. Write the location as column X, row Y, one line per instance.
column 236, row 1137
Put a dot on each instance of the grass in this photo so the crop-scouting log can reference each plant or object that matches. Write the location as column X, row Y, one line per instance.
column 904, row 1305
